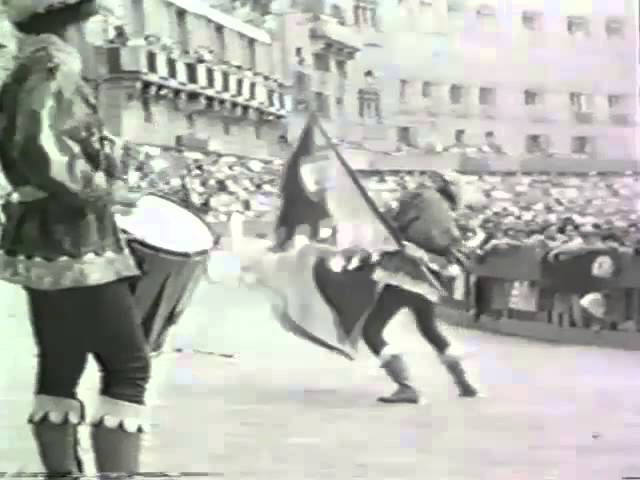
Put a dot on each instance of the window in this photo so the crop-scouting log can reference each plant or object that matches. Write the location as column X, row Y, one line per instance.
column 322, row 104
column 532, row 20
column 183, row 31
column 373, row 16
column 225, row 81
column 579, row 102
column 172, row 68
column 138, row 24
column 364, row 15
column 487, row 96
column 192, row 73
column 221, row 42
column 239, row 86
column 252, row 90
column 616, row 101
column 321, row 62
column 341, row 68
column 211, row 79
column 404, row 87
column 455, row 6
column 251, row 49
column 152, row 61
column 581, row 145
column 578, row 26
column 455, row 94
column 427, row 89
column 536, row 143
column 404, row 136
column 338, row 14
column 191, row 121
column 614, row 27
column 532, row 97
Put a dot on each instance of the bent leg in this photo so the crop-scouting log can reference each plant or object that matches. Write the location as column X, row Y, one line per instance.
column 388, row 304
column 429, row 328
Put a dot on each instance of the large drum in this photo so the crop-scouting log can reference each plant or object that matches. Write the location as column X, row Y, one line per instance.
column 172, row 246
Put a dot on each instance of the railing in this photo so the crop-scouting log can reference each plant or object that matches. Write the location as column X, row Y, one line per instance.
column 584, row 117
column 327, row 28
column 538, row 114
column 522, row 283
column 184, row 72
column 481, row 162
column 623, row 119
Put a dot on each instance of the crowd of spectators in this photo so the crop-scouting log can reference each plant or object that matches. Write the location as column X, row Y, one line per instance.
column 552, row 211
column 514, row 208
column 549, row 211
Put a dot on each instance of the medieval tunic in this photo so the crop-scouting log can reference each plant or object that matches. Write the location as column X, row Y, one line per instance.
column 60, row 231
column 427, row 226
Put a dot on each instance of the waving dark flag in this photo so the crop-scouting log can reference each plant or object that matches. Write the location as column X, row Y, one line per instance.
column 319, row 188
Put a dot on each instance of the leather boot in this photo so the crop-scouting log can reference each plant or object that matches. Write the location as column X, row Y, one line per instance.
column 116, row 436
column 397, row 369
column 456, row 370
column 54, row 427
column 116, row 450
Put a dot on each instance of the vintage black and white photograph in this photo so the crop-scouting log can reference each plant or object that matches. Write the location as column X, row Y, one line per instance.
column 320, row 239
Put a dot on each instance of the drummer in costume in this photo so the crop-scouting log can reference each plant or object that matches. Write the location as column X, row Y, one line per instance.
column 62, row 245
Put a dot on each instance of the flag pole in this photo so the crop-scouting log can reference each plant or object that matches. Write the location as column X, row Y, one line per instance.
column 365, row 195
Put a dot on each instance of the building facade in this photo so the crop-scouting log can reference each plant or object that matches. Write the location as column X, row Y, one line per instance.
column 555, row 82
column 183, row 73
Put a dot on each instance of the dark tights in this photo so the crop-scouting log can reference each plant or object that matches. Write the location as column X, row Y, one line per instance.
column 102, row 320
column 392, row 299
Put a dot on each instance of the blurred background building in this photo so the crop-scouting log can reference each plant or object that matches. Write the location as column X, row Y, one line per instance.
column 556, row 83
column 183, row 73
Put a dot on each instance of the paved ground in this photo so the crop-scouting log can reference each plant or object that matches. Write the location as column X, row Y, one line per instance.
column 284, row 410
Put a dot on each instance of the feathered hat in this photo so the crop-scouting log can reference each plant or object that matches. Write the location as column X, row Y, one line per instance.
column 51, row 16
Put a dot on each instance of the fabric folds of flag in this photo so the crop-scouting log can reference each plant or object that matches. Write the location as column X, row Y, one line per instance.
column 319, row 189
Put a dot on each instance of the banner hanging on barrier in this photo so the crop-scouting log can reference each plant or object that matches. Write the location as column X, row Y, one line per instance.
column 514, row 263
column 587, row 272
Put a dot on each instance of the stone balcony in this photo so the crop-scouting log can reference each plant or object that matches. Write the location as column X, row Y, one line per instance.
column 538, row 114
column 489, row 112
column 622, row 119
column 326, row 33
column 583, row 117
column 461, row 110
column 187, row 74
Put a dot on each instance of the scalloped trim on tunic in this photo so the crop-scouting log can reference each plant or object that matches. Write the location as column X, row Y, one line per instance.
column 116, row 414
column 57, row 410
column 66, row 272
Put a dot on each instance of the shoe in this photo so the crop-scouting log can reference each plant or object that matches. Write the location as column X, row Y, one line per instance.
column 54, row 425
column 397, row 369
column 457, row 372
